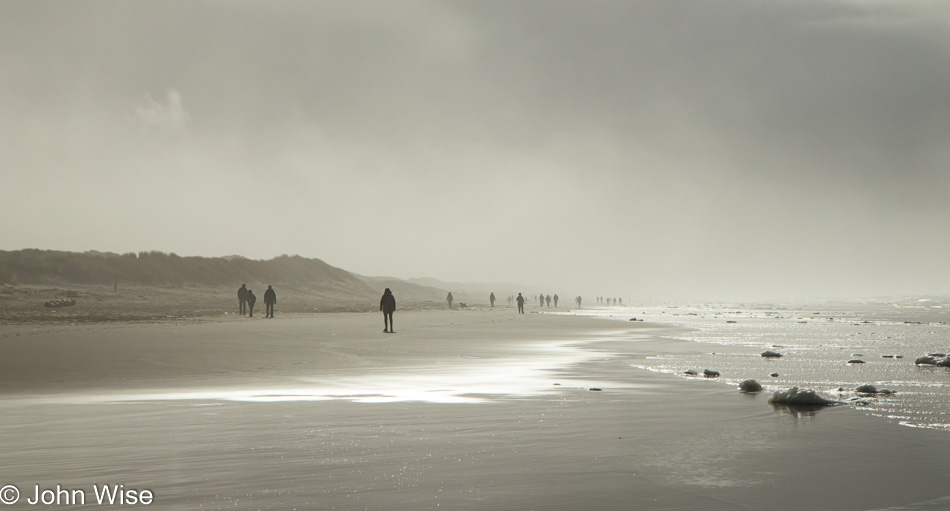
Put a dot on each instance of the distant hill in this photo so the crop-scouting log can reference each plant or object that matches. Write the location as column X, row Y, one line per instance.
column 312, row 276
column 33, row 266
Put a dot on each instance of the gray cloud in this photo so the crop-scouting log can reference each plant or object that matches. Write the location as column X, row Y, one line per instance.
column 649, row 149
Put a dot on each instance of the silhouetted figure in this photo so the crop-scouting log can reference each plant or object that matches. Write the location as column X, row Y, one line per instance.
column 621, row 301
column 492, row 299
column 578, row 300
column 520, row 301
column 555, row 300
column 251, row 299
column 270, row 298
column 449, row 299
column 242, row 299
column 387, row 304
column 548, row 299
column 541, row 297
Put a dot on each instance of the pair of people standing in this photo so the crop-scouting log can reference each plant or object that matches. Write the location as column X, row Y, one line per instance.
column 247, row 299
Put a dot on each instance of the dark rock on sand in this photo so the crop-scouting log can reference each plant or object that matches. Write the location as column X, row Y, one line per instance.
column 750, row 386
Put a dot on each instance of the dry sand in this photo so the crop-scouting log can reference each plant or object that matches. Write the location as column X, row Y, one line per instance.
column 476, row 409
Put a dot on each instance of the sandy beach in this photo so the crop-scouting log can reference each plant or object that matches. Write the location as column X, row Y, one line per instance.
column 472, row 409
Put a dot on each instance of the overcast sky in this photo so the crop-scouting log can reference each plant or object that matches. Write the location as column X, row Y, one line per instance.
column 644, row 149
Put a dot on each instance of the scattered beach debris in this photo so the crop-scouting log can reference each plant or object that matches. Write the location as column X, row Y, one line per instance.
column 857, row 354
column 887, row 356
column 750, row 386
column 595, row 389
column 771, row 354
column 730, row 321
column 690, row 372
column 60, row 302
column 795, row 396
column 709, row 373
column 774, row 375
column 856, row 361
column 941, row 355
column 633, row 319
column 867, row 388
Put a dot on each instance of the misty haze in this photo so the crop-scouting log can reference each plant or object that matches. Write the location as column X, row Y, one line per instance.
column 489, row 255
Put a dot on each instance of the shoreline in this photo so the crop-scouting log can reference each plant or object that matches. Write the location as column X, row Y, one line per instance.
column 646, row 440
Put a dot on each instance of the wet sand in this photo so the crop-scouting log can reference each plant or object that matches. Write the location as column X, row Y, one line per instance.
column 479, row 409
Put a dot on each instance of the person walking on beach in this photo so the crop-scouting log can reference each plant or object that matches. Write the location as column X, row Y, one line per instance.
column 449, row 299
column 555, row 300
column 578, row 300
column 251, row 299
column 541, row 297
column 387, row 304
column 548, row 299
column 520, row 301
column 492, row 299
column 242, row 299
column 270, row 298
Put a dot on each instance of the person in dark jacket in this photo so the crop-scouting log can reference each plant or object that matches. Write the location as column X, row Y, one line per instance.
column 242, row 298
column 387, row 304
column 270, row 298
column 520, row 301
column 251, row 300
column 449, row 299
column 492, row 299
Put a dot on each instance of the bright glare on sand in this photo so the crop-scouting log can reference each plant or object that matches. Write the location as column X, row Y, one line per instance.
column 470, row 380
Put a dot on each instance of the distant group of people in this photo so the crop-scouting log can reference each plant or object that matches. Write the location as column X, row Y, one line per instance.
column 247, row 299
column 387, row 304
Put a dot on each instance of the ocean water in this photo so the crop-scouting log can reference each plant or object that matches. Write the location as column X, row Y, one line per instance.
column 817, row 340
